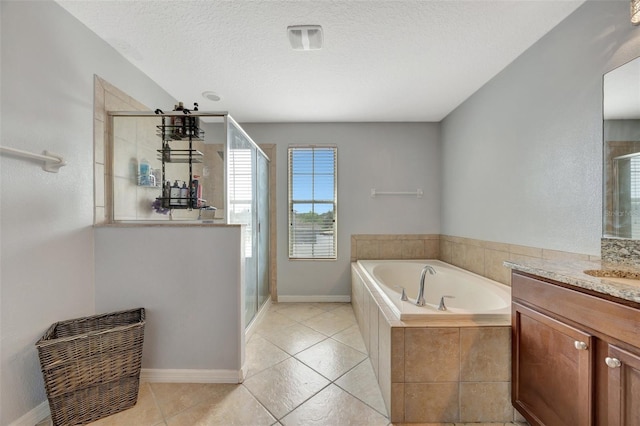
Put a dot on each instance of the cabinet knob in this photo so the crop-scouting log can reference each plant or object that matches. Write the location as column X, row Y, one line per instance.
column 581, row 346
column 612, row 362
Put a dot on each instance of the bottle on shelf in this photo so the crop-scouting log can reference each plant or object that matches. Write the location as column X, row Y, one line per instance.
column 156, row 177
column 166, row 194
column 184, row 194
column 196, row 192
column 144, row 173
column 168, row 125
column 174, row 194
column 166, row 152
column 179, row 122
column 193, row 123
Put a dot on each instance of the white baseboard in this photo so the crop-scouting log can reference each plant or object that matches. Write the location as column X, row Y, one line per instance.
column 191, row 376
column 34, row 416
column 293, row 299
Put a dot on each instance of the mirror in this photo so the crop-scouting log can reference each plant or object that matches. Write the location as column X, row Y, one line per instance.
column 621, row 169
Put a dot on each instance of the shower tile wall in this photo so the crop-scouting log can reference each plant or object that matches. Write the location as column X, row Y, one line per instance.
column 136, row 139
column 106, row 98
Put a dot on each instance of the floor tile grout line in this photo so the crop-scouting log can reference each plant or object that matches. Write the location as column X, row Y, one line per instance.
column 335, row 340
column 340, row 387
column 156, row 402
column 331, row 382
column 355, row 396
column 261, row 404
column 311, row 328
column 301, row 350
column 303, row 402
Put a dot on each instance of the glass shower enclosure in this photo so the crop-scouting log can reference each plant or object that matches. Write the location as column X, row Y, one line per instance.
column 224, row 174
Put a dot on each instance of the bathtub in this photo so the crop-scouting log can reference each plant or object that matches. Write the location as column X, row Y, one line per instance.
column 421, row 352
column 473, row 298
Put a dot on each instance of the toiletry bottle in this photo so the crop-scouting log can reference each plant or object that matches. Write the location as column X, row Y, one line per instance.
column 144, row 171
column 184, row 194
column 194, row 123
column 154, row 177
column 178, row 122
column 174, row 194
column 195, row 200
column 166, row 194
column 168, row 126
column 166, row 153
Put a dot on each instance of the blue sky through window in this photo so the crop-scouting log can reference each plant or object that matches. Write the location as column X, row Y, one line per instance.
column 313, row 179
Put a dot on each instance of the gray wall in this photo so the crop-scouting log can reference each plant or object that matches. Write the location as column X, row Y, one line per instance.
column 522, row 157
column 188, row 279
column 385, row 156
column 48, row 63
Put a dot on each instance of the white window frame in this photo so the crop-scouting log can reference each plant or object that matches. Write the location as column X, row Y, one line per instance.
column 294, row 253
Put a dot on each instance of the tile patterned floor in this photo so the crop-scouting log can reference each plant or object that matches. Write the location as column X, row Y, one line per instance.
column 306, row 365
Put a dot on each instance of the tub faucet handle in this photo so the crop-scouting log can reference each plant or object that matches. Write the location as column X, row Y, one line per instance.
column 403, row 297
column 441, row 306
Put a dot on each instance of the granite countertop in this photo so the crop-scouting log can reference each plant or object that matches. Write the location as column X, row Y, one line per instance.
column 572, row 273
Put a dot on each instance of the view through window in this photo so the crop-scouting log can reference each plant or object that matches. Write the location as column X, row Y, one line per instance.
column 312, row 202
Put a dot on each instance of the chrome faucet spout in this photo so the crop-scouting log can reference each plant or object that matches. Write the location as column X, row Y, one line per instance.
column 420, row 299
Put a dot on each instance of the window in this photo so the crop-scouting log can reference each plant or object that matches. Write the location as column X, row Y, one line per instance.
column 312, row 202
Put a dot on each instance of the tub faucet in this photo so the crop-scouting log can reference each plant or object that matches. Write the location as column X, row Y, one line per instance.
column 420, row 298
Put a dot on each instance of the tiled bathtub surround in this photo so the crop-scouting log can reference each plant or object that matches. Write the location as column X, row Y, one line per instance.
column 435, row 374
column 484, row 258
column 394, row 246
column 438, row 374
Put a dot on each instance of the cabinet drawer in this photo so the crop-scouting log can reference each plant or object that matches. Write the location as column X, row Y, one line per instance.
column 612, row 319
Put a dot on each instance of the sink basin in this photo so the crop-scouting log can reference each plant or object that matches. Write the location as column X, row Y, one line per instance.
column 616, row 275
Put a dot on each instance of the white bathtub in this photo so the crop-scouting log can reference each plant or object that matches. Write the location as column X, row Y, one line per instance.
column 474, row 297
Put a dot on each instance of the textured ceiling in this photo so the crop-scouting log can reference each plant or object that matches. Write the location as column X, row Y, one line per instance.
column 381, row 60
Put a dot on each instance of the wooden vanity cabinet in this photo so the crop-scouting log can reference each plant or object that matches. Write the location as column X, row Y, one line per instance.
column 575, row 356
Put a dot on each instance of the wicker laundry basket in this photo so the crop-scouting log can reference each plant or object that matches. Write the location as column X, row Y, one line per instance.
column 91, row 366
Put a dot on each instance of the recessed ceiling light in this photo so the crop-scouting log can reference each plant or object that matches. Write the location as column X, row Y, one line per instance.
column 305, row 37
column 212, row 96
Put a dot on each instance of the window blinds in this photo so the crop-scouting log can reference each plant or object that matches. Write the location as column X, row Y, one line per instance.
column 312, row 202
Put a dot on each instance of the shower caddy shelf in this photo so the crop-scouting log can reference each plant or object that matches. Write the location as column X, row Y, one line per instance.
column 188, row 132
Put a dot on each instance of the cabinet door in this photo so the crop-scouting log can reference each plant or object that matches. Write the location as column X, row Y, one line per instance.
column 623, row 387
column 552, row 370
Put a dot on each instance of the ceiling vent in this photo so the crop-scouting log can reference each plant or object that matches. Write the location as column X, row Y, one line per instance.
column 305, row 37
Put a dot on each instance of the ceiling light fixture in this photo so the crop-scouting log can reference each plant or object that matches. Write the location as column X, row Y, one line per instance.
column 305, row 37
column 211, row 96
column 635, row 12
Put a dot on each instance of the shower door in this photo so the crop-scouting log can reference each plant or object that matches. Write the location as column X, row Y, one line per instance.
column 247, row 204
column 263, row 228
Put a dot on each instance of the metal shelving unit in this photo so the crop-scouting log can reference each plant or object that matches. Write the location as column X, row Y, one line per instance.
column 187, row 131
